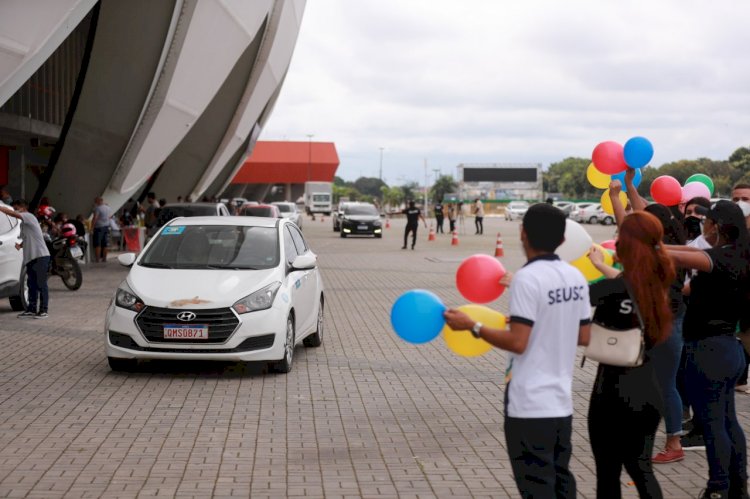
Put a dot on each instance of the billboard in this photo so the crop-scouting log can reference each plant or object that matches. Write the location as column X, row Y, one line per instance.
column 500, row 180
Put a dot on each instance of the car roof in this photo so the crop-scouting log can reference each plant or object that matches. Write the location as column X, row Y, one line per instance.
column 241, row 221
column 283, row 202
column 248, row 205
column 191, row 204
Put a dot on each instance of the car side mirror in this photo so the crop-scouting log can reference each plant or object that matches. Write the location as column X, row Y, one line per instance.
column 305, row 262
column 126, row 259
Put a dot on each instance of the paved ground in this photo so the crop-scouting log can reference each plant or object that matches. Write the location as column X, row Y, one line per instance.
column 365, row 415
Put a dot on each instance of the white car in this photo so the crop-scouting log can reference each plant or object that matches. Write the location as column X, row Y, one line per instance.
column 589, row 214
column 236, row 289
column 575, row 212
column 289, row 210
column 516, row 209
column 12, row 272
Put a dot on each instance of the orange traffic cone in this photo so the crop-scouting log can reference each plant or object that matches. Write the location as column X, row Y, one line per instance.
column 499, row 246
column 387, row 223
column 431, row 237
column 454, row 241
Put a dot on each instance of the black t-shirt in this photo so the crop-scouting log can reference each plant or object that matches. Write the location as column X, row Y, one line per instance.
column 614, row 308
column 412, row 216
column 719, row 298
column 438, row 210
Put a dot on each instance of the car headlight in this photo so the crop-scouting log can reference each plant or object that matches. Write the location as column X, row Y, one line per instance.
column 260, row 300
column 125, row 298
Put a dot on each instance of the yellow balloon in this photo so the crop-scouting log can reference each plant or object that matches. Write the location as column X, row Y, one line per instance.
column 596, row 178
column 587, row 268
column 463, row 342
column 607, row 202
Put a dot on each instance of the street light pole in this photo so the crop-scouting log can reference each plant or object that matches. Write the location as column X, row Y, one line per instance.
column 381, row 162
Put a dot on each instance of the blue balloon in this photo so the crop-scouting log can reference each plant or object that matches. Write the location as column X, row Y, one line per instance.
column 417, row 316
column 638, row 152
column 621, row 177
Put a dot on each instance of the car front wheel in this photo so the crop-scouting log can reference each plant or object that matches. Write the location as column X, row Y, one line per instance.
column 593, row 220
column 316, row 339
column 122, row 365
column 285, row 364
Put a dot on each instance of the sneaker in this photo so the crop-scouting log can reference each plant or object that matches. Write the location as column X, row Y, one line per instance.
column 668, row 456
column 41, row 315
column 692, row 441
column 687, row 426
column 26, row 315
column 707, row 494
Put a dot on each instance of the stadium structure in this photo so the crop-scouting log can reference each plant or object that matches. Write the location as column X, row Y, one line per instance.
column 114, row 98
column 500, row 181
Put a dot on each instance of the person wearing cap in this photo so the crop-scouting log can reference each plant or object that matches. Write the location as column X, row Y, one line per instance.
column 715, row 360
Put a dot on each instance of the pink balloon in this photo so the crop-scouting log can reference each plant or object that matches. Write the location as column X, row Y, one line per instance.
column 609, row 244
column 666, row 190
column 477, row 278
column 608, row 157
column 694, row 190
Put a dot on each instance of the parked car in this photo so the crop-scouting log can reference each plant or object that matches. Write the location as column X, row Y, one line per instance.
column 12, row 272
column 259, row 210
column 565, row 206
column 605, row 218
column 516, row 209
column 361, row 219
column 174, row 210
column 575, row 212
column 217, row 288
column 289, row 210
column 590, row 214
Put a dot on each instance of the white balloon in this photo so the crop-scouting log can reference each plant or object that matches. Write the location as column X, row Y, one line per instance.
column 577, row 242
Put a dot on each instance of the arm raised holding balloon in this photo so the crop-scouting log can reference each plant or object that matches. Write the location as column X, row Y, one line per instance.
column 637, row 203
column 614, row 196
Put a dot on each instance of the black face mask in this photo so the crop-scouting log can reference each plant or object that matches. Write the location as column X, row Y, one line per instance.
column 693, row 227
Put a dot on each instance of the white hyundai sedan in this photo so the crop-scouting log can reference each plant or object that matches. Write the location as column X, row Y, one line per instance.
column 217, row 288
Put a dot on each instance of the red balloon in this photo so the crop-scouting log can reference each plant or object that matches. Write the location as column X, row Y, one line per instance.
column 477, row 278
column 666, row 190
column 609, row 244
column 609, row 157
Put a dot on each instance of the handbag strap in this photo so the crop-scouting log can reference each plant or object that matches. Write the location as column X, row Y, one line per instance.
column 629, row 290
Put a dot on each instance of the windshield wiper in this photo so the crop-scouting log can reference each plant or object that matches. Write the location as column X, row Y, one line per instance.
column 156, row 265
column 229, row 267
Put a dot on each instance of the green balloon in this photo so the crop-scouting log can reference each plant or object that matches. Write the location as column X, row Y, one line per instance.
column 703, row 179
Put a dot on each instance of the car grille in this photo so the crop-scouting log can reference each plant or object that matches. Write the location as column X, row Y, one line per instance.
column 250, row 344
column 221, row 323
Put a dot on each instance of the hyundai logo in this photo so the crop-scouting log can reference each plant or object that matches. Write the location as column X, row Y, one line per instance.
column 186, row 316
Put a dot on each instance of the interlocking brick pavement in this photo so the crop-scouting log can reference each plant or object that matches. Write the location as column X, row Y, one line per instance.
column 365, row 415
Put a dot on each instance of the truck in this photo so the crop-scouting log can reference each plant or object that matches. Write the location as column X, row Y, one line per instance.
column 318, row 197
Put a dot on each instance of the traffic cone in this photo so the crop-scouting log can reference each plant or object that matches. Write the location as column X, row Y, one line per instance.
column 499, row 246
column 454, row 241
column 431, row 237
column 387, row 223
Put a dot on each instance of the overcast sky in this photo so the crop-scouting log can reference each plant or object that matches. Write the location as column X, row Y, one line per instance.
column 495, row 81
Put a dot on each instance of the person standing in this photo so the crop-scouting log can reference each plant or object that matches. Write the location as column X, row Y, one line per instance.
column 626, row 403
column 439, row 217
column 413, row 215
column 452, row 217
column 549, row 317
column 151, row 214
column 35, row 258
column 479, row 216
column 101, row 224
column 715, row 360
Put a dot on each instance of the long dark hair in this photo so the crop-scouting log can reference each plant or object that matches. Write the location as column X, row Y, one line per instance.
column 649, row 270
column 674, row 229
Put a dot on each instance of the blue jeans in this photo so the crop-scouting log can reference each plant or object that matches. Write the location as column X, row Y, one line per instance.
column 713, row 366
column 36, row 273
column 666, row 360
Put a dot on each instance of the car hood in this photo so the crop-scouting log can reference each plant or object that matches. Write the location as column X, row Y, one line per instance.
column 361, row 218
column 171, row 288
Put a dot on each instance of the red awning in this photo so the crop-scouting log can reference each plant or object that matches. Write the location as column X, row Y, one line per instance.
column 289, row 162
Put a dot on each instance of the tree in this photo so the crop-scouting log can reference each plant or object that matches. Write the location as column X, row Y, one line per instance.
column 369, row 186
column 392, row 196
column 569, row 178
column 411, row 191
column 443, row 185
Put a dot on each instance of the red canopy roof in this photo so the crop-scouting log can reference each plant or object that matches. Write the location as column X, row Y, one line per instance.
column 289, row 162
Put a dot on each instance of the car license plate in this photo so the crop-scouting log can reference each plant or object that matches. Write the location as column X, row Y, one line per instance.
column 76, row 252
column 185, row 332
column 361, row 227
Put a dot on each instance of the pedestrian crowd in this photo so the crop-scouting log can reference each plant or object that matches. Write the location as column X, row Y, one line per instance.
column 682, row 280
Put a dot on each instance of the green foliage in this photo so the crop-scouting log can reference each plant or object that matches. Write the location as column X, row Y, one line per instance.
column 569, row 178
column 369, row 186
column 443, row 185
column 391, row 196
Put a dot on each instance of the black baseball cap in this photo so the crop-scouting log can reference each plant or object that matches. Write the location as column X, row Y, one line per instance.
column 723, row 212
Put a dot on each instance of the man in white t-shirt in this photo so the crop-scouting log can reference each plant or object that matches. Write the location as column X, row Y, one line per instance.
column 549, row 317
column 478, row 216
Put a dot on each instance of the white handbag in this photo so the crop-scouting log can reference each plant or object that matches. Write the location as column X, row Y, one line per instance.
column 623, row 348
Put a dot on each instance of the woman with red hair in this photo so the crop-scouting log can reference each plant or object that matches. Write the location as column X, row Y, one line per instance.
column 624, row 411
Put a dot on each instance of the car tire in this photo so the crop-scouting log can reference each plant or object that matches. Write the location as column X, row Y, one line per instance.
column 285, row 365
column 20, row 302
column 343, row 234
column 379, row 236
column 593, row 220
column 316, row 339
column 336, row 228
column 122, row 365
column 607, row 221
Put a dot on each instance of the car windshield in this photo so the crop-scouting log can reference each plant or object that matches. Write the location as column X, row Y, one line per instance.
column 213, row 247
column 285, row 208
column 167, row 213
column 361, row 210
column 323, row 198
column 258, row 211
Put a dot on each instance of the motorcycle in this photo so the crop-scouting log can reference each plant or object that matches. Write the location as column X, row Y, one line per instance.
column 65, row 251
